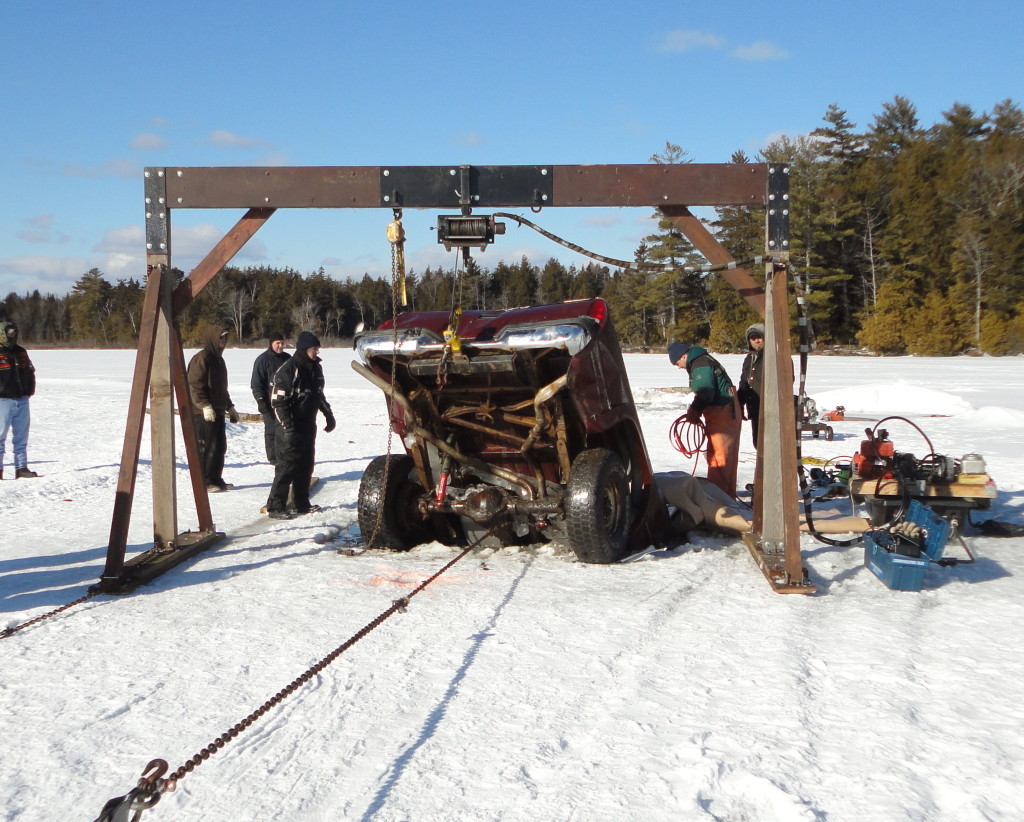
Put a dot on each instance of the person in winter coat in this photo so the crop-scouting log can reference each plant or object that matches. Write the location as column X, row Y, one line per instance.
column 262, row 383
column 17, row 384
column 208, row 385
column 749, row 391
column 714, row 399
column 297, row 397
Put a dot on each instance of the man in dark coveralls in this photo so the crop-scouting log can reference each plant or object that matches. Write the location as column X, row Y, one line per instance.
column 297, row 397
column 262, row 383
column 208, row 385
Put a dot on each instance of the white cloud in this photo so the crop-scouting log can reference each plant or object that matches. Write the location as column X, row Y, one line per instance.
column 603, row 220
column 48, row 274
column 679, row 40
column 759, row 51
column 225, row 139
column 472, row 138
column 148, row 142
column 118, row 167
column 130, row 239
column 40, row 230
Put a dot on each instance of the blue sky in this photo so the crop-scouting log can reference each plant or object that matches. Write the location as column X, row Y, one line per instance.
column 92, row 93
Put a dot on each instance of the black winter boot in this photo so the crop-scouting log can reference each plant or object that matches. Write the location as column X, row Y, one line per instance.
column 25, row 473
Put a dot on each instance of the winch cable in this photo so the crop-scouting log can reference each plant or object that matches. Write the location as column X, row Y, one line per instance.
column 805, row 347
column 150, row 788
column 635, row 266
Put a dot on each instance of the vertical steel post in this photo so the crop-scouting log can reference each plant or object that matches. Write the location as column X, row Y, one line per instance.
column 161, row 400
column 775, row 536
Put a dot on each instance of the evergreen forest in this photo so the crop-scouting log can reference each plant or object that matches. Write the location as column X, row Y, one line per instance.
column 906, row 238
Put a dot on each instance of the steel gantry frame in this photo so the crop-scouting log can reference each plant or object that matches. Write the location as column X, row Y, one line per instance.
column 674, row 189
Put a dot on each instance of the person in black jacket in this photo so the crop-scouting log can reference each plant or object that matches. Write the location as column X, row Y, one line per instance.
column 749, row 391
column 208, row 385
column 17, row 384
column 297, row 397
column 262, row 383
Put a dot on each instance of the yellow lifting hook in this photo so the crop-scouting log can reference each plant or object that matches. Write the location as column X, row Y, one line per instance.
column 396, row 236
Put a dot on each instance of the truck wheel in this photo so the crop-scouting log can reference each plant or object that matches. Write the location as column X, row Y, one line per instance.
column 829, row 433
column 597, row 508
column 387, row 512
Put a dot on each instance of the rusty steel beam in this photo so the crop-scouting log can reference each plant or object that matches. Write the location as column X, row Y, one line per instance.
column 210, row 266
column 693, row 184
column 274, row 187
column 125, row 494
column 704, row 241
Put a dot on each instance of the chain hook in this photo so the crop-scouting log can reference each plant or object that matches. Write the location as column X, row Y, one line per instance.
column 142, row 797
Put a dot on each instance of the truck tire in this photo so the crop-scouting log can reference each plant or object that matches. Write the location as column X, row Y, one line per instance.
column 387, row 512
column 597, row 507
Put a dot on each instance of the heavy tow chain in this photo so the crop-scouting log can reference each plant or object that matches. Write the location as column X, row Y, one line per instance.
column 6, row 632
column 636, row 266
column 152, row 786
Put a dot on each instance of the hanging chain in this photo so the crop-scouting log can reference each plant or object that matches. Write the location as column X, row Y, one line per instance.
column 396, row 236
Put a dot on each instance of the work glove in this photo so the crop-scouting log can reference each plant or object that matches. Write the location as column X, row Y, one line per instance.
column 209, row 414
column 263, row 406
column 693, row 415
column 331, row 423
column 232, row 414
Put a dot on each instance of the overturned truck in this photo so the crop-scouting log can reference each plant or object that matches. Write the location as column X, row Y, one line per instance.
column 518, row 427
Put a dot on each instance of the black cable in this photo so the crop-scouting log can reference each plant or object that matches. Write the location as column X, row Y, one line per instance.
column 804, row 488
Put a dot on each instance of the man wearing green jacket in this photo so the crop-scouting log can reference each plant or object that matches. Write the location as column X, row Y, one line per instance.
column 714, row 400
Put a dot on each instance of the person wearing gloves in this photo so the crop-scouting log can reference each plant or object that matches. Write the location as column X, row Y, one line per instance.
column 749, row 391
column 714, row 399
column 208, row 385
column 297, row 396
column 17, row 384
column 262, row 383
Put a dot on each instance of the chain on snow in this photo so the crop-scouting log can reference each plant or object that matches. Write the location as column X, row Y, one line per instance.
column 6, row 632
column 151, row 787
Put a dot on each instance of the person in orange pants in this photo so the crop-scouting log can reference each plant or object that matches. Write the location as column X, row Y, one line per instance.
column 714, row 399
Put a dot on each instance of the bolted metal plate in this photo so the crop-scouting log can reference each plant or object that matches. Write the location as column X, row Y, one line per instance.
column 158, row 230
column 454, row 186
column 778, row 208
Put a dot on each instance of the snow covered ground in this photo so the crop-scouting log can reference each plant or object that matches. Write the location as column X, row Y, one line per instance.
column 521, row 685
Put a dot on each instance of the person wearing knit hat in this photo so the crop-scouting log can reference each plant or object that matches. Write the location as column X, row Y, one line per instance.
column 714, row 400
column 261, row 384
column 297, row 397
column 676, row 350
column 749, row 391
